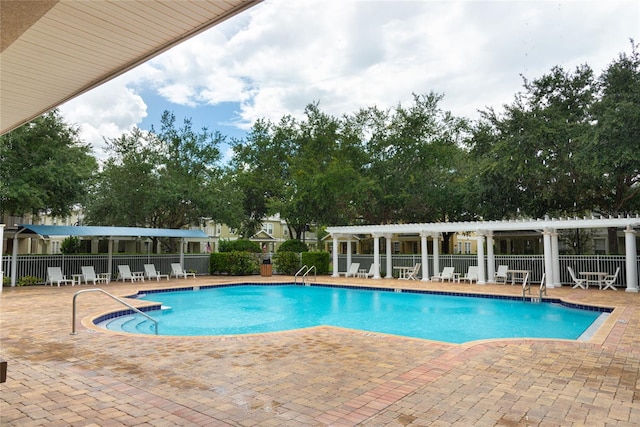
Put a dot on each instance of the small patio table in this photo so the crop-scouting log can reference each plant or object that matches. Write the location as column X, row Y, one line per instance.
column 76, row 278
column 518, row 275
column 403, row 271
column 594, row 277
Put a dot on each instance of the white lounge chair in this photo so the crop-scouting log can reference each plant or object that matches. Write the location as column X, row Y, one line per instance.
column 579, row 283
column 371, row 272
column 353, row 270
column 472, row 274
column 151, row 273
column 89, row 275
column 55, row 276
column 412, row 274
column 126, row 274
column 501, row 274
column 176, row 270
column 446, row 274
column 609, row 280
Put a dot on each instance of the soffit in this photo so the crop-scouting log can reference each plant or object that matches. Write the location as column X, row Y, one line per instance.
column 54, row 50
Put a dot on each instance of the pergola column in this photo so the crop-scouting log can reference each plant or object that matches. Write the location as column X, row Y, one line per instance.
column 376, row 255
column 491, row 261
column 388, row 238
column 335, row 255
column 632, row 267
column 424, row 252
column 436, row 255
column 481, row 271
column 555, row 261
column 548, row 258
column 348, row 253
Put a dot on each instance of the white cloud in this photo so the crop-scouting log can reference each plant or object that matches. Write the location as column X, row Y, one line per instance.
column 281, row 55
column 105, row 112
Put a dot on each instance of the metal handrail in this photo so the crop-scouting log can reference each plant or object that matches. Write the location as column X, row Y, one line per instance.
column 315, row 273
column 303, row 269
column 73, row 317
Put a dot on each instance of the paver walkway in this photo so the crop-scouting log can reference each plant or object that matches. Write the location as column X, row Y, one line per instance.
column 312, row 377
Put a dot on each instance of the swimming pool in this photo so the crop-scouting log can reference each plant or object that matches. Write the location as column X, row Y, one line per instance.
column 246, row 309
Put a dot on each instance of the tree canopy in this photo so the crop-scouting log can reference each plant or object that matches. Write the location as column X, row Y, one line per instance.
column 44, row 168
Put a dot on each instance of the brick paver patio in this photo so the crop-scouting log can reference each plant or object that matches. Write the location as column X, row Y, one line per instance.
column 312, row 377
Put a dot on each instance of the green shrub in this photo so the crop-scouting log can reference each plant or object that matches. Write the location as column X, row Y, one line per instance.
column 29, row 280
column 241, row 263
column 6, row 281
column 71, row 245
column 293, row 245
column 236, row 263
column 320, row 259
column 239, row 245
column 218, row 262
column 287, row 262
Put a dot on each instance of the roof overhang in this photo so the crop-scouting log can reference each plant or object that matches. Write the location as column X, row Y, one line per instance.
column 54, row 50
column 47, row 231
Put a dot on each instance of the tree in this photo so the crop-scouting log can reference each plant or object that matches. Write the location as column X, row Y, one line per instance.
column 615, row 149
column 44, row 168
column 533, row 159
column 168, row 179
column 416, row 163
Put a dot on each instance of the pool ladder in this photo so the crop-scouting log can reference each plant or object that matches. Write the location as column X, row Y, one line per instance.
column 73, row 316
column 305, row 270
column 527, row 287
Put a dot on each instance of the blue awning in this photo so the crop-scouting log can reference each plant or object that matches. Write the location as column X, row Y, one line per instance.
column 100, row 231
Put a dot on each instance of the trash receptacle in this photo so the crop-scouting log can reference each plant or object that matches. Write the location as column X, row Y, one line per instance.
column 265, row 268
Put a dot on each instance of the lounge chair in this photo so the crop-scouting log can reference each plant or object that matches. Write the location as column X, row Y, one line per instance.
column 472, row 274
column 126, row 274
column 176, row 270
column 353, row 270
column 151, row 273
column 501, row 275
column 579, row 283
column 446, row 274
column 412, row 274
column 89, row 275
column 55, row 276
column 370, row 273
column 609, row 280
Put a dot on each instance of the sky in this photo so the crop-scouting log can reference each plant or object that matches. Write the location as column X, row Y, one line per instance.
column 281, row 55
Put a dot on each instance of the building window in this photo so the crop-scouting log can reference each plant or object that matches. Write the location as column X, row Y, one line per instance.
column 467, row 247
column 396, row 247
column 268, row 228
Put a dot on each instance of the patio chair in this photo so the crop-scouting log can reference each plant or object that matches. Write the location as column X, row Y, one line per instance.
column 371, row 272
column 55, row 276
column 353, row 270
column 609, row 280
column 176, row 270
column 151, row 273
column 472, row 274
column 579, row 283
column 89, row 275
column 126, row 274
column 413, row 274
column 501, row 274
column 446, row 274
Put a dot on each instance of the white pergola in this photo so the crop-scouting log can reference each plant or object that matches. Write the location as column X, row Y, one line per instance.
column 484, row 231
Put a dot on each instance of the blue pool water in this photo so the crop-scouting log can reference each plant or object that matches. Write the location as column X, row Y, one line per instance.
column 248, row 309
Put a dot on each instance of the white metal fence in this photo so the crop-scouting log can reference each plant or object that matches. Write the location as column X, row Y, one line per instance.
column 533, row 263
column 36, row 265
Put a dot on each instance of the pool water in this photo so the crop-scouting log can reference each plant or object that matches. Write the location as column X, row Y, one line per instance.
column 246, row 309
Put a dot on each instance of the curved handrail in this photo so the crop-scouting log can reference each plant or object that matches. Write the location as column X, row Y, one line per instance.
column 302, row 269
column 315, row 273
column 73, row 316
